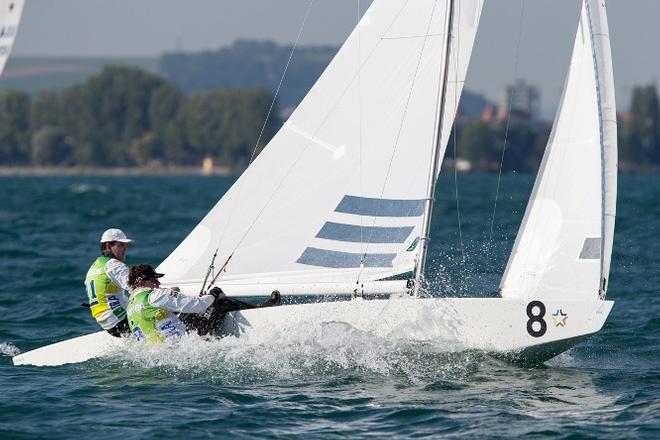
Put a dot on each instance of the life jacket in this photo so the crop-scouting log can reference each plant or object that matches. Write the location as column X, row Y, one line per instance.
column 103, row 295
column 149, row 323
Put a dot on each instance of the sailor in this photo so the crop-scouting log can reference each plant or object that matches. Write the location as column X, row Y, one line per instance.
column 152, row 309
column 107, row 283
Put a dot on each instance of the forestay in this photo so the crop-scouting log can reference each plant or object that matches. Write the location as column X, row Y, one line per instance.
column 564, row 246
column 338, row 194
column 10, row 17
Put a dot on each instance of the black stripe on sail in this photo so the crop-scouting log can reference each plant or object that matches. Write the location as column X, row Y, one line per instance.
column 364, row 234
column 343, row 260
column 380, row 207
column 590, row 249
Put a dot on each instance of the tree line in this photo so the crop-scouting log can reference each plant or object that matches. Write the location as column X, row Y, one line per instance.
column 126, row 117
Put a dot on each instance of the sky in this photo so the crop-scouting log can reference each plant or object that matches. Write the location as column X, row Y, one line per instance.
column 529, row 39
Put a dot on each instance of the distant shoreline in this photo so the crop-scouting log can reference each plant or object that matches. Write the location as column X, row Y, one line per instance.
column 37, row 171
column 119, row 171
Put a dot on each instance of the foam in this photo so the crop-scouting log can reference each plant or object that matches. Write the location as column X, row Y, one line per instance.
column 303, row 351
column 9, row 349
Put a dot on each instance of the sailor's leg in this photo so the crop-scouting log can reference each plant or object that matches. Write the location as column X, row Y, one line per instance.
column 207, row 322
column 274, row 300
column 211, row 320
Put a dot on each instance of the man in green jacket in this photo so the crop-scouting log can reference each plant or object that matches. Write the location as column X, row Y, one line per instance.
column 152, row 309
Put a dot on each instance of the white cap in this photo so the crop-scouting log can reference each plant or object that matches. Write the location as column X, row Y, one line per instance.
column 115, row 235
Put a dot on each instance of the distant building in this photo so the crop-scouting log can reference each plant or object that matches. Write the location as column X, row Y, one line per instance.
column 488, row 116
column 624, row 117
column 207, row 166
column 521, row 100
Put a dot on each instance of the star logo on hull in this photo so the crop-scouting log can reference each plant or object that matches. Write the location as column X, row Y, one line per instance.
column 559, row 318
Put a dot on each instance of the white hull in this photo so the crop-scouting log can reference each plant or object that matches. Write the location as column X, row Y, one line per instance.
column 71, row 351
column 494, row 325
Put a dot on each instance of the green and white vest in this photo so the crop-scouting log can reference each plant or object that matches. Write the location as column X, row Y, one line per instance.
column 149, row 323
column 103, row 295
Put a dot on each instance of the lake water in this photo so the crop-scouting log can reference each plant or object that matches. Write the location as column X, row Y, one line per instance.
column 311, row 383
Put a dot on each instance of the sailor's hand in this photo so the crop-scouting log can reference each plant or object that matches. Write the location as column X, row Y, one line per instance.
column 175, row 288
column 274, row 299
column 217, row 293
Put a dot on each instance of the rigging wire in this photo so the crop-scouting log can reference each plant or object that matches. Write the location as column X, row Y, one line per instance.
column 261, row 133
column 400, row 129
column 508, row 122
column 455, row 146
column 279, row 86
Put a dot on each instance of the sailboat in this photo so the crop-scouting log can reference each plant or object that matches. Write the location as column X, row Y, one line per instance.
column 340, row 200
column 10, row 18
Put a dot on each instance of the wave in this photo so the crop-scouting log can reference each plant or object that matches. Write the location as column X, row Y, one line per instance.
column 298, row 352
column 82, row 188
column 9, row 349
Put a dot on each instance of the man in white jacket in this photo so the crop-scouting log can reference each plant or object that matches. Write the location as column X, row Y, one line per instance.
column 107, row 283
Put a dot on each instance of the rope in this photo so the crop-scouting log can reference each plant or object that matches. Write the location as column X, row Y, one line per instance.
column 508, row 122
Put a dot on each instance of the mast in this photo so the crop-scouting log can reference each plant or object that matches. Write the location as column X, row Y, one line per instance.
column 435, row 163
column 602, row 59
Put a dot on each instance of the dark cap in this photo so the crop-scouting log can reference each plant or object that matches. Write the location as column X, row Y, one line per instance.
column 141, row 273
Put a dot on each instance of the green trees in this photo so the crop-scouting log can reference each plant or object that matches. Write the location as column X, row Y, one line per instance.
column 125, row 117
column 14, row 127
column 51, row 146
column 641, row 131
column 481, row 144
column 478, row 143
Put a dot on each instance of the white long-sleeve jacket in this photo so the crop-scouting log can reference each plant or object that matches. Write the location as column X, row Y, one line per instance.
column 174, row 301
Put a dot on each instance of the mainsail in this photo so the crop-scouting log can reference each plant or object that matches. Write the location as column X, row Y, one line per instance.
column 338, row 194
column 564, row 246
column 10, row 17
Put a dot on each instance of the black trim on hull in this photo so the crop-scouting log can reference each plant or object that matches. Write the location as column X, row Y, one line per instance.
column 536, row 355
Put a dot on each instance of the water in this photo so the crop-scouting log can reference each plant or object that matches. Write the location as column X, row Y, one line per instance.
column 323, row 382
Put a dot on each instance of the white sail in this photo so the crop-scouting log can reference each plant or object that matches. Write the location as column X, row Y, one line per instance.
column 564, row 245
column 338, row 194
column 10, row 17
